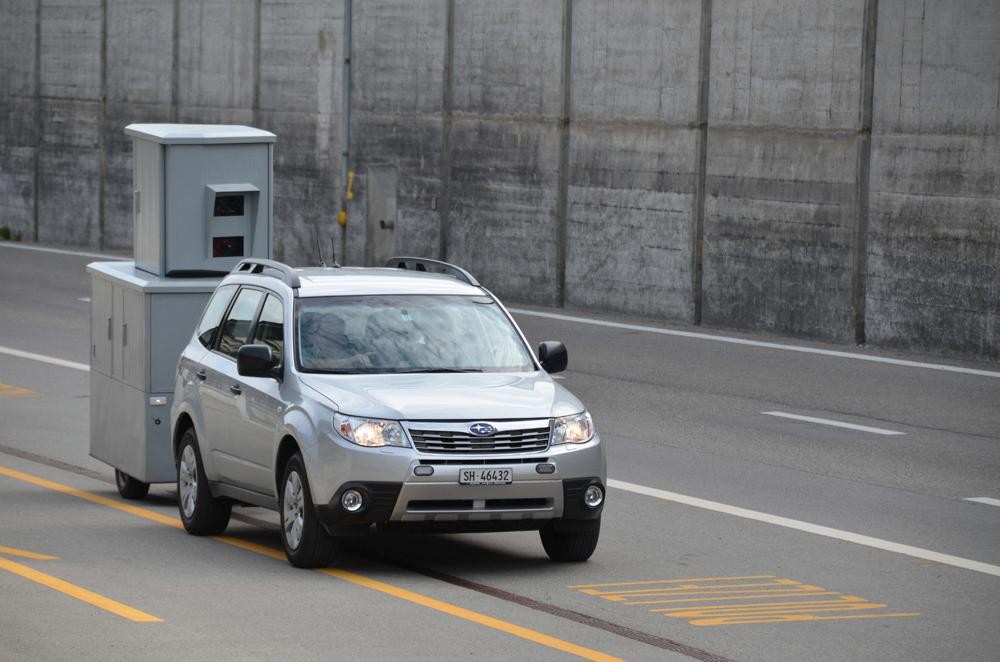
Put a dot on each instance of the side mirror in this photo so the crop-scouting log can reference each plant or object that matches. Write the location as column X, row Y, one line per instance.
column 256, row 361
column 552, row 355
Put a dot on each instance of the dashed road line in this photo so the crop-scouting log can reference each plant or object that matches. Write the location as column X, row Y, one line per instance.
column 808, row 527
column 61, row 251
column 51, row 360
column 24, row 554
column 10, row 391
column 66, row 588
column 832, row 423
column 989, row 501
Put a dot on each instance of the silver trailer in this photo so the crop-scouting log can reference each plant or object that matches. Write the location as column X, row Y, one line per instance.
column 201, row 203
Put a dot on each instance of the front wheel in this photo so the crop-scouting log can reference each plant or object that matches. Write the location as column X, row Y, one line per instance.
column 307, row 544
column 129, row 487
column 201, row 513
column 573, row 545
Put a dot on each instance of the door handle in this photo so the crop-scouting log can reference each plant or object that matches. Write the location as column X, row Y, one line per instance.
column 201, row 375
column 235, row 389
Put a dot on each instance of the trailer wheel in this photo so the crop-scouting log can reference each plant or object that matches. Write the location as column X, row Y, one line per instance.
column 130, row 488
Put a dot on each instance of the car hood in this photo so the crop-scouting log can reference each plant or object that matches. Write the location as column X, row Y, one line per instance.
column 446, row 396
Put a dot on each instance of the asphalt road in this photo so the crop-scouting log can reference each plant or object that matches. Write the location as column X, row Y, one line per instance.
column 730, row 533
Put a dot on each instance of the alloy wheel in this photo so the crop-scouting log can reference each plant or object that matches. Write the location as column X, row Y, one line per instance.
column 293, row 512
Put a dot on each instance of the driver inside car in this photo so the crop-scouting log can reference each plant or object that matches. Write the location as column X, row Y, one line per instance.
column 325, row 345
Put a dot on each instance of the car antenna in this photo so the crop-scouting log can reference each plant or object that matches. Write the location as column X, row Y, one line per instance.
column 319, row 250
column 333, row 252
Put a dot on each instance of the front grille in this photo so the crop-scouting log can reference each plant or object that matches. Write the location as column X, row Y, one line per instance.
column 461, row 441
column 505, row 461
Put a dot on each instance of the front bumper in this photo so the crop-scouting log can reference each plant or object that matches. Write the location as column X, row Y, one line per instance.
column 439, row 503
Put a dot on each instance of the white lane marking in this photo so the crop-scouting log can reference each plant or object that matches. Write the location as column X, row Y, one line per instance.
column 836, row 424
column 807, row 527
column 757, row 343
column 45, row 359
column 60, row 251
column 987, row 500
column 847, row 536
column 83, row 299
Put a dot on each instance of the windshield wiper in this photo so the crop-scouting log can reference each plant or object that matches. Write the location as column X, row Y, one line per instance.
column 414, row 370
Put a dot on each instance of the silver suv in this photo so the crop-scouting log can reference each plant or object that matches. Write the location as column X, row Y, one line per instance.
column 402, row 398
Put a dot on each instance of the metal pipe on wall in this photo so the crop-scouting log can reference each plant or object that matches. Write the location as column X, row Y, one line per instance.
column 345, row 129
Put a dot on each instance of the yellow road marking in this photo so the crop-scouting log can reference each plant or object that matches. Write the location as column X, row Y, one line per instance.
column 790, row 618
column 354, row 578
column 469, row 615
column 672, row 581
column 93, row 498
column 78, row 592
column 787, row 600
column 8, row 391
column 844, row 600
column 751, row 596
column 689, row 588
column 11, row 551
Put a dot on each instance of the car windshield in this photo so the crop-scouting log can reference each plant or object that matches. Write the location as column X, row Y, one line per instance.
column 407, row 333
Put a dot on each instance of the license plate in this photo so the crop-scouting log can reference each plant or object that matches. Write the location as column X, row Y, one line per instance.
column 486, row 476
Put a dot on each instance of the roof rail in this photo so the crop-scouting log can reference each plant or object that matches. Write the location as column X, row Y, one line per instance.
column 432, row 266
column 257, row 266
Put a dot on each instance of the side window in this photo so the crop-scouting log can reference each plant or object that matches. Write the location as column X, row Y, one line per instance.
column 270, row 327
column 236, row 328
column 213, row 314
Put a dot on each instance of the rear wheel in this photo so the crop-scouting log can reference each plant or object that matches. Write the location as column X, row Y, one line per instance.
column 307, row 544
column 571, row 546
column 129, row 487
column 201, row 513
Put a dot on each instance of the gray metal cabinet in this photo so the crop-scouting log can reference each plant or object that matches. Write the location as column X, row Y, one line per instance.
column 139, row 325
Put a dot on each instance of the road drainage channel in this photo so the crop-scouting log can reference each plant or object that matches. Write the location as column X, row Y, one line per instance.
column 515, row 598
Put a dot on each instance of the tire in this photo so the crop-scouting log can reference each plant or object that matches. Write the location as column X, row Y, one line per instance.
column 571, row 546
column 130, row 488
column 307, row 544
column 201, row 513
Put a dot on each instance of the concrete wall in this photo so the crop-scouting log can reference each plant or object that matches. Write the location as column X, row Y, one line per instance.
column 934, row 228
column 819, row 168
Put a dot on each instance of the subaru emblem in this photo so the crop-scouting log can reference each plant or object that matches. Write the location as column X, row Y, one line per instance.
column 482, row 429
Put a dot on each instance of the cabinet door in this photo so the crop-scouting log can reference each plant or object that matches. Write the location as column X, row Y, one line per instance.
column 100, row 325
column 134, row 338
column 117, row 328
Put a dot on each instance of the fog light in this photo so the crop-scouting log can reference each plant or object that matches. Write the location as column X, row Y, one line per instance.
column 423, row 470
column 545, row 468
column 352, row 501
column 594, row 496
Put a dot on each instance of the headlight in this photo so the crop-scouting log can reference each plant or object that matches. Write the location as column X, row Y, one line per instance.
column 577, row 429
column 371, row 432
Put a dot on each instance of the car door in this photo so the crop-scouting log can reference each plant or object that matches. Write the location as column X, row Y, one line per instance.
column 252, row 438
column 194, row 373
column 221, row 390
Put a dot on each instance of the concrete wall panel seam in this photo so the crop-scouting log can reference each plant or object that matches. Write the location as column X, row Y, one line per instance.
column 701, row 124
column 565, row 112
column 860, row 257
column 36, row 162
column 102, row 131
column 447, row 103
